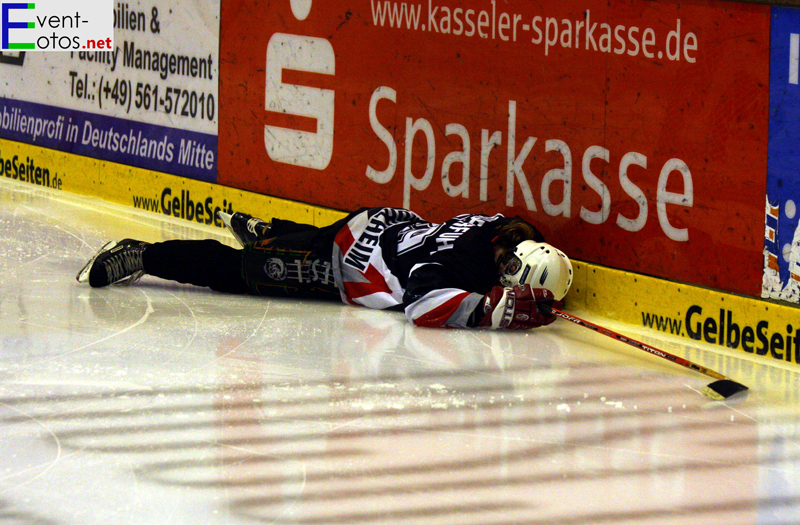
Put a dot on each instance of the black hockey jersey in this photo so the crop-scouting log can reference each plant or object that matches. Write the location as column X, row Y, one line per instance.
column 390, row 257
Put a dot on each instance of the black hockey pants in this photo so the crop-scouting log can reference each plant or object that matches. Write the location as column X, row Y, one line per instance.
column 294, row 263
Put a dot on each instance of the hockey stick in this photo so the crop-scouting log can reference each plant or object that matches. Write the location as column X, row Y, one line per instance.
column 723, row 388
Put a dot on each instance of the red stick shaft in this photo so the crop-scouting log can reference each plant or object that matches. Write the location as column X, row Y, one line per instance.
column 637, row 344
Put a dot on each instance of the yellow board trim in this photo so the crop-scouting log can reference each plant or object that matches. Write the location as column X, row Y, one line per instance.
column 136, row 187
column 722, row 320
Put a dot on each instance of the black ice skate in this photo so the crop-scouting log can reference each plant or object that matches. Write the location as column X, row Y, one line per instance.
column 245, row 228
column 115, row 263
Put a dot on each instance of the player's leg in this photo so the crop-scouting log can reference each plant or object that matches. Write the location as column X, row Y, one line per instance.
column 247, row 229
column 115, row 263
column 294, row 265
column 201, row 263
column 306, row 249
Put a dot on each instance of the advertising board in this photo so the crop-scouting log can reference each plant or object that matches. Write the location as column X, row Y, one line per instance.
column 781, row 278
column 633, row 134
column 150, row 101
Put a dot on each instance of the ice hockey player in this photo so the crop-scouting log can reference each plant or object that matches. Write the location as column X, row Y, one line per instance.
column 470, row 271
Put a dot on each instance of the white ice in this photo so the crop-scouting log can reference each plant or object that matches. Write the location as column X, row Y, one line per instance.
column 162, row 403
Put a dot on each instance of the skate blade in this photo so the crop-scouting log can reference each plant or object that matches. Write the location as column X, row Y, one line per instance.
column 226, row 220
column 83, row 275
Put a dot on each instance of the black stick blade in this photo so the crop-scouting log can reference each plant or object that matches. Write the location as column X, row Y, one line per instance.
column 723, row 389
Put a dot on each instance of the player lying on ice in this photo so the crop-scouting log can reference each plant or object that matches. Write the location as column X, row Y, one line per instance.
column 470, row 271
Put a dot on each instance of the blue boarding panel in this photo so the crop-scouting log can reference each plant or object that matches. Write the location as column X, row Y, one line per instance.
column 783, row 166
column 179, row 152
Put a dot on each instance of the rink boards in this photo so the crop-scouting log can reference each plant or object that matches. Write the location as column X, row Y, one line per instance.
column 642, row 136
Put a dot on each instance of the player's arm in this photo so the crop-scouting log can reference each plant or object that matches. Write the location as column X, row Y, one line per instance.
column 432, row 299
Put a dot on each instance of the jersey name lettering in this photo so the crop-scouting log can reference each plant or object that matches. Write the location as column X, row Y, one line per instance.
column 360, row 253
column 456, row 228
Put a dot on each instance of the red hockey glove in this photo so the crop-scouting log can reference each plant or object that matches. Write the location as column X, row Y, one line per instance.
column 516, row 308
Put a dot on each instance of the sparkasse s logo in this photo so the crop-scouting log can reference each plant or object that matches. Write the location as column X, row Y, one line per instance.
column 57, row 25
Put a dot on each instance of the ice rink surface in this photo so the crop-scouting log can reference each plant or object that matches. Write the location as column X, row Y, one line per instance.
column 166, row 404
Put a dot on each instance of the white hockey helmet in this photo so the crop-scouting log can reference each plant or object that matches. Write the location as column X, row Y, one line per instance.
column 541, row 266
